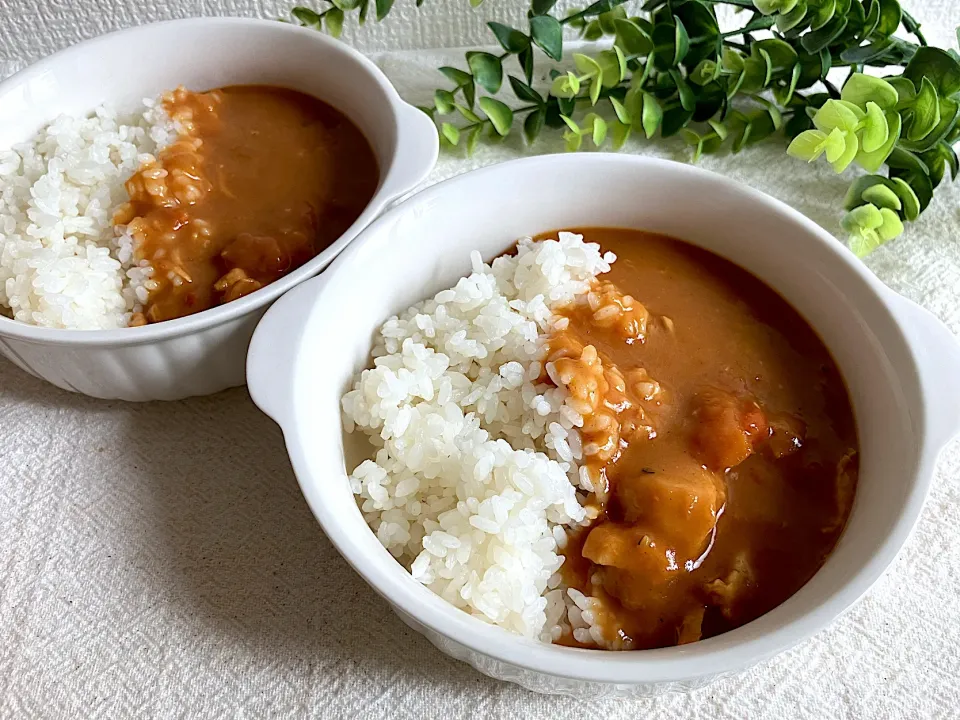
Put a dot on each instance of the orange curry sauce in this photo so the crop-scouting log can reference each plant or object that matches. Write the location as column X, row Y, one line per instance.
column 259, row 181
column 718, row 436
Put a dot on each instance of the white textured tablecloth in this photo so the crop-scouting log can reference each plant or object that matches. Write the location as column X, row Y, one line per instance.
column 158, row 560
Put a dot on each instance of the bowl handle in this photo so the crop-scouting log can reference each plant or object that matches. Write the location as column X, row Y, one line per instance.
column 938, row 352
column 418, row 146
column 273, row 348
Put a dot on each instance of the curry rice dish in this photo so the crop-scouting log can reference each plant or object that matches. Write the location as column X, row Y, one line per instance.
column 623, row 449
column 197, row 200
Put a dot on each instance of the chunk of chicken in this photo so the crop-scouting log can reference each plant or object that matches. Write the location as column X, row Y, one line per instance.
column 845, row 484
column 630, row 548
column 787, row 434
column 236, row 284
column 726, row 428
column 692, row 627
column 674, row 497
column 257, row 255
column 724, row 592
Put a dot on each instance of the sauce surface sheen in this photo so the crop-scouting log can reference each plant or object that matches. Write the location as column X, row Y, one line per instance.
column 722, row 443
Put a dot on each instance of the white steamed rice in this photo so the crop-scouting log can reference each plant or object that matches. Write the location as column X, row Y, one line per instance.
column 475, row 474
column 62, row 263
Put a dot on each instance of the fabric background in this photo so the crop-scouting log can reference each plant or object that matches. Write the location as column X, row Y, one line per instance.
column 158, row 560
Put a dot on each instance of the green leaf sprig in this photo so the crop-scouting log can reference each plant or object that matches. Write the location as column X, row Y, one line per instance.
column 332, row 17
column 874, row 123
column 672, row 71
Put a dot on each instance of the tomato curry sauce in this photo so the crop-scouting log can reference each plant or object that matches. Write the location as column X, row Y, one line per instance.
column 718, row 439
column 259, row 180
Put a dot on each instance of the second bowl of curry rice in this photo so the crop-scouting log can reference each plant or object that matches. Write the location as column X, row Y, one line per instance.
column 150, row 215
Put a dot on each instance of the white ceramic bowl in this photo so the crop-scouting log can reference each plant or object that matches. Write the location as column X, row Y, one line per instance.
column 206, row 352
column 902, row 367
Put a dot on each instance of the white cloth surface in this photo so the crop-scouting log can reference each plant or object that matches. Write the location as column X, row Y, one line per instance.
column 158, row 560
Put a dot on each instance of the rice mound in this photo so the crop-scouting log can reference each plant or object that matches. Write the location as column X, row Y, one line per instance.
column 62, row 263
column 475, row 473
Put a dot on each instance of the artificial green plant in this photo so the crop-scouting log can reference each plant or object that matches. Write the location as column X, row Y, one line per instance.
column 671, row 70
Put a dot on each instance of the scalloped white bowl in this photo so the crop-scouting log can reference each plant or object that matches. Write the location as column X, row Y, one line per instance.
column 205, row 352
column 902, row 367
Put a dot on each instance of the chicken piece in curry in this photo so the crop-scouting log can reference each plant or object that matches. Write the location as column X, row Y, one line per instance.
column 718, row 443
column 259, row 180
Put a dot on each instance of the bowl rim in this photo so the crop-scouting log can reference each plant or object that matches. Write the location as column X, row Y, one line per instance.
column 245, row 305
column 734, row 650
